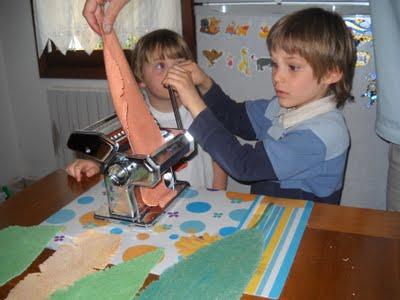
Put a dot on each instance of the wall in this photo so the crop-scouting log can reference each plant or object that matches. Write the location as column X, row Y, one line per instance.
column 23, row 107
column 10, row 166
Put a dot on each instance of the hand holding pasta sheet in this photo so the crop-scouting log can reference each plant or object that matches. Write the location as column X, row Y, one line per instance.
column 93, row 7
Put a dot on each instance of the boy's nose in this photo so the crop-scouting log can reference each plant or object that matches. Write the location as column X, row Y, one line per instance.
column 277, row 77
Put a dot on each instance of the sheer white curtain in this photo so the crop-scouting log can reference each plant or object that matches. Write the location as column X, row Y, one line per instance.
column 62, row 22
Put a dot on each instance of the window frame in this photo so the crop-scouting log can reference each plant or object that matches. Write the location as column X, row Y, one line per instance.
column 80, row 65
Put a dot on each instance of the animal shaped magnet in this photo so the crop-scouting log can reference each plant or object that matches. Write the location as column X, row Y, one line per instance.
column 210, row 25
column 239, row 30
column 211, row 56
column 261, row 62
column 243, row 65
column 263, row 32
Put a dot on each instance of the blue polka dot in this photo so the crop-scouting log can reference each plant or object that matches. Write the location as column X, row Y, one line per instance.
column 174, row 236
column 116, row 230
column 227, row 231
column 189, row 193
column 238, row 214
column 85, row 200
column 198, row 207
column 192, row 226
column 62, row 216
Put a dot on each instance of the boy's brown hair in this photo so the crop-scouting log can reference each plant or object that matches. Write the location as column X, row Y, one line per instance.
column 323, row 40
column 158, row 44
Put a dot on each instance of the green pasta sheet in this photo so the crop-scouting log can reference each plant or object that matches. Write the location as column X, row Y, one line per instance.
column 221, row 270
column 121, row 281
column 20, row 246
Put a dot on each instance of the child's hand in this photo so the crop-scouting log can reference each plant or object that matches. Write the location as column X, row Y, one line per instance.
column 200, row 79
column 93, row 6
column 182, row 83
column 82, row 166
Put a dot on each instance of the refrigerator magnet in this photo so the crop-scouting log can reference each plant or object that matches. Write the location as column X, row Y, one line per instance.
column 239, row 30
column 243, row 65
column 261, row 62
column 212, row 56
column 363, row 58
column 229, row 61
column 209, row 25
column 263, row 32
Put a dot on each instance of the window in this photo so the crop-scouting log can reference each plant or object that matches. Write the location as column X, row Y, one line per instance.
column 79, row 64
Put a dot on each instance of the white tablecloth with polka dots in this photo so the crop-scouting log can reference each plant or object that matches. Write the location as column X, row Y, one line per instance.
column 196, row 212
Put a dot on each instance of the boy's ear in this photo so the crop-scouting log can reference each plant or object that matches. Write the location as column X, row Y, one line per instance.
column 332, row 76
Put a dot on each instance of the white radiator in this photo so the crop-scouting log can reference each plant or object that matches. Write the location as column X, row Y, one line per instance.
column 72, row 109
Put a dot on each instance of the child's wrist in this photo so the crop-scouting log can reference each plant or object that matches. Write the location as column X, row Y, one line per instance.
column 205, row 86
column 197, row 107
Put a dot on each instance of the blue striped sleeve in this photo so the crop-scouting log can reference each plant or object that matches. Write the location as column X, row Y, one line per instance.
column 243, row 162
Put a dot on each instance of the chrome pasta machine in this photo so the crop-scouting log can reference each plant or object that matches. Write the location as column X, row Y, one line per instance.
column 124, row 173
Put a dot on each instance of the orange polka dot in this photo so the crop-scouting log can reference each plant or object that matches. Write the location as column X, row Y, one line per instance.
column 139, row 250
column 242, row 196
column 142, row 236
column 159, row 228
column 89, row 218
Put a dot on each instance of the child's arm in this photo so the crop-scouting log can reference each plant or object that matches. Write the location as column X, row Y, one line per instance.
column 220, row 177
column 243, row 162
column 231, row 113
column 82, row 166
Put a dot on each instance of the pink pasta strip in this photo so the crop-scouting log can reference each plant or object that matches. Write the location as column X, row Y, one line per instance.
column 142, row 131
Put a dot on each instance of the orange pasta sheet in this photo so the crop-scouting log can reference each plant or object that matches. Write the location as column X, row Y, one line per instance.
column 142, row 131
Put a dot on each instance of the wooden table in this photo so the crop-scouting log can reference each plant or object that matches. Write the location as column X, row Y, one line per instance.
column 345, row 253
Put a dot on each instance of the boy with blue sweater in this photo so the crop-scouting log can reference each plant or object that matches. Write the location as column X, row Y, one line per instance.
column 301, row 137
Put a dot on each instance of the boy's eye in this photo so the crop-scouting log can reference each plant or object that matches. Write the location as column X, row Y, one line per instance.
column 160, row 66
column 294, row 68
